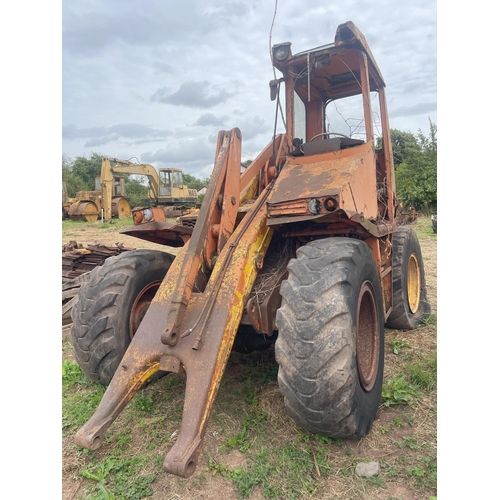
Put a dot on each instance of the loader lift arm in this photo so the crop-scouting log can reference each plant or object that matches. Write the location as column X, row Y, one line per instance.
column 192, row 321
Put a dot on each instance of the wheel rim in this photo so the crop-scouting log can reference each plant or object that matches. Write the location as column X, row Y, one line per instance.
column 367, row 337
column 141, row 305
column 413, row 283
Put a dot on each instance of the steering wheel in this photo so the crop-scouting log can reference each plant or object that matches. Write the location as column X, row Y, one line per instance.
column 329, row 133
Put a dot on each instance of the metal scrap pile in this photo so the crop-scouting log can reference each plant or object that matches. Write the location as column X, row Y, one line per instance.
column 77, row 260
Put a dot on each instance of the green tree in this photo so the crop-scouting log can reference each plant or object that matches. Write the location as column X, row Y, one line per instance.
column 416, row 176
column 193, row 182
column 136, row 192
column 404, row 144
column 246, row 163
column 73, row 182
column 87, row 169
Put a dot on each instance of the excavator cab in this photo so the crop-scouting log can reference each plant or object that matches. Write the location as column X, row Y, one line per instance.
column 172, row 188
column 118, row 186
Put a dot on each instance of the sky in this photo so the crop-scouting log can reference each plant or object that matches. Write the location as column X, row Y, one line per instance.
column 157, row 80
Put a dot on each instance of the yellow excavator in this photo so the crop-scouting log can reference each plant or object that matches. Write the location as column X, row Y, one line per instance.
column 109, row 197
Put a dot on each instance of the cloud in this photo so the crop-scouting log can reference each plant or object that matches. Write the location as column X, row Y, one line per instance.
column 184, row 151
column 416, row 109
column 97, row 136
column 115, row 22
column 230, row 10
column 252, row 127
column 193, row 95
column 210, row 119
column 190, row 155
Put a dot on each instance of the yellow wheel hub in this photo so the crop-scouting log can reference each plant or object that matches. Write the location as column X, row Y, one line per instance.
column 413, row 283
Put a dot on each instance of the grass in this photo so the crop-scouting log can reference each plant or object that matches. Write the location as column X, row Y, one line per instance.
column 69, row 225
column 252, row 449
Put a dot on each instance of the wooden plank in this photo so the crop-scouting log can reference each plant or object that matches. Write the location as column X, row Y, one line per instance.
column 69, row 305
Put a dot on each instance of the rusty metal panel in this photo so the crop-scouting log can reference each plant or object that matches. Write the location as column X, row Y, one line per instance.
column 348, row 174
column 164, row 233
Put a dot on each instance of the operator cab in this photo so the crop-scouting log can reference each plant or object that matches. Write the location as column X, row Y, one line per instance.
column 334, row 94
column 170, row 178
column 118, row 185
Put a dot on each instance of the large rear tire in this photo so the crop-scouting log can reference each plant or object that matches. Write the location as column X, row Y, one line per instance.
column 110, row 308
column 410, row 306
column 330, row 346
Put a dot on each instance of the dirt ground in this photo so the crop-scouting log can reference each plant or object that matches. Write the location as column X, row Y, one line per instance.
column 90, row 233
column 210, row 486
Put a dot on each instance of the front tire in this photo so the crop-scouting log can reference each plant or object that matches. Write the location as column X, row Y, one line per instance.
column 410, row 306
column 330, row 346
column 110, row 308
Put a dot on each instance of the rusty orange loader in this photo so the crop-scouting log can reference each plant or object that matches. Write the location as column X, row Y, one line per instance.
column 316, row 210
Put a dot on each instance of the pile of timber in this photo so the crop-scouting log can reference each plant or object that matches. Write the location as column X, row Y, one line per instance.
column 81, row 260
column 77, row 262
column 70, row 288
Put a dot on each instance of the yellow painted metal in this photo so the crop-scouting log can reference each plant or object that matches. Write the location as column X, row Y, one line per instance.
column 86, row 211
column 413, row 283
column 120, row 207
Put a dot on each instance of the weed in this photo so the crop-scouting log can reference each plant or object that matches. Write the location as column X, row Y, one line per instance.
column 71, row 374
column 249, row 392
column 410, row 442
column 122, row 438
column 397, row 345
column 430, row 320
column 245, row 481
column 415, row 471
column 142, row 401
column 425, row 474
column 79, row 405
column 409, row 418
column 289, row 471
column 397, row 422
column 100, row 474
column 398, row 391
column 376, row 481
column 120, row 476
column 423, row 374
column 240, row 441
column 391, row 472
column 254, row 420
column 328, row 440
column 383, row 430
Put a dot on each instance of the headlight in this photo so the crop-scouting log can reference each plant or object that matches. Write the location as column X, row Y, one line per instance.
column 281, row 52
column 314, row 206
column 148, row 214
